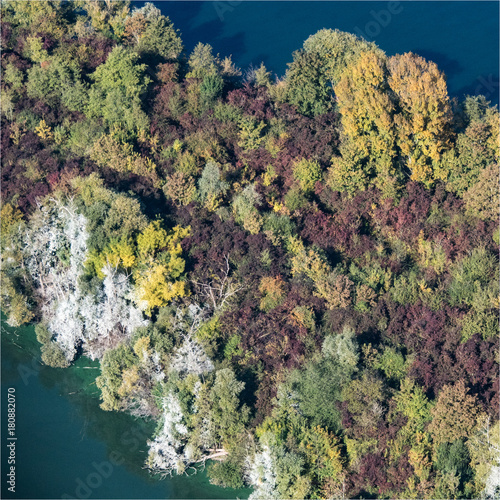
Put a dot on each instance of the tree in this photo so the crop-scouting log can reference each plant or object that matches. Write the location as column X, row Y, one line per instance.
column 412, row 402
column 453, row 458
column 226, row 413
column 475, row 148
column 367, row 115
column 58, row 82
column 107, row 17
column 423, row 118
column 210, row 185
column 245, row 210
column 317, row 68
column 113, row 364
column 306, row 84
column 484, row 450
column 307, row 173
column 191, row 358
column 273, row 292
column 46, row 16
column 261, row 474
column 337, row 50
column 153, row 33
column 202, row 62
column 342, row 348
column 119, row 84
column 221, row 289
column 482, row 198
column 166, row 450
column 180, row 188
column 318, row 387
column 455, row 414
column 210, row 89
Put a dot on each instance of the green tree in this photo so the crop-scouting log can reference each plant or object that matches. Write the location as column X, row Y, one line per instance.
column 453, row 458
column 210, row 89
column 337, row 50
column 318, row 387
column 113, row 364
column 202, row 62
column 412, row 402
column 53, row 355
column 119, row 85
column 226, row 413
column 307, row 86
column 57, row 82
column 211, row 186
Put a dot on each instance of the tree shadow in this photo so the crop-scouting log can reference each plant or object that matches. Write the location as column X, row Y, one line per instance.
column 450, row 67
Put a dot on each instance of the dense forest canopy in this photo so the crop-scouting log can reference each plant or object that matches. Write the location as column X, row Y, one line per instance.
column 296, row 277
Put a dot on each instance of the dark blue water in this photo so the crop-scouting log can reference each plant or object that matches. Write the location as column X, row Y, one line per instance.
column 461, row 37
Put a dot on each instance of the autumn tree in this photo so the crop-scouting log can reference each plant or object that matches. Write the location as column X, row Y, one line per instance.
column 454, row 415
column 107, row 17
column 423, row 116
column 337, row 50
column 367, row 116
column 307, row 173
column 152, row 33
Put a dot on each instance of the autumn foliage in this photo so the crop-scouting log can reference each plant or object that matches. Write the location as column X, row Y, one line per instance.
column 297, row 277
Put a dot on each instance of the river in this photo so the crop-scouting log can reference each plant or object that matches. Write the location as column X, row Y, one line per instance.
column 460, row 36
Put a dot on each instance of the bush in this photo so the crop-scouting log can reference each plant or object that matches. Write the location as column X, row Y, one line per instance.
column 42, row 333
column 227, row 474
column 52, row 355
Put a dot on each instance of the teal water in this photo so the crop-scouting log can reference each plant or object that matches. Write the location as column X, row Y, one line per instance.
column 67, row 447
column 462, row 37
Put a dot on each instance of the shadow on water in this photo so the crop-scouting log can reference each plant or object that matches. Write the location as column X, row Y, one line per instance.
column 450, row 67
column 487, row 85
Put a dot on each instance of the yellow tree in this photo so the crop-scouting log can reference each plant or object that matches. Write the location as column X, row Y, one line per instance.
column 423, row 119
column 367, row 110
column 160, row 264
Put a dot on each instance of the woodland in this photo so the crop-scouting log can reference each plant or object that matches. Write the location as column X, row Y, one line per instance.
column 296, row 277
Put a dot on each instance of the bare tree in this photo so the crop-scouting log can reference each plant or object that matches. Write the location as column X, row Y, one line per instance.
column 221, row 289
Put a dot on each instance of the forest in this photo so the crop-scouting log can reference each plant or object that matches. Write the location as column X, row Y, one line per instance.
column 296, row 278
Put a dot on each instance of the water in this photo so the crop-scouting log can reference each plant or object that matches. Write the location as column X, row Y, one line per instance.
column 461, row 37
column 67, row 447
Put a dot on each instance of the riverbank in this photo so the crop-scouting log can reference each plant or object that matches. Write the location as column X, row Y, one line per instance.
column 67, row 446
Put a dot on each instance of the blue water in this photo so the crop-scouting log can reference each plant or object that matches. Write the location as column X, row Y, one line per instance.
column 461, row 37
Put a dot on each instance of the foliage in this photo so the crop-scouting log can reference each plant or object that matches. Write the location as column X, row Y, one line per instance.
column 295, row 278
column 119, row 84
column 454, row 415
